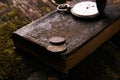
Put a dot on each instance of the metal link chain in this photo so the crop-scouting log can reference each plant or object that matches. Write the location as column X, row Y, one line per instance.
column 63, row 7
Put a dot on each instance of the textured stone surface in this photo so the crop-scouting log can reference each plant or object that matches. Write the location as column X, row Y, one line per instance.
column 41, row 75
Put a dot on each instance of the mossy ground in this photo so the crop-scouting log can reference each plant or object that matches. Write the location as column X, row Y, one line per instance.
column 12, row 66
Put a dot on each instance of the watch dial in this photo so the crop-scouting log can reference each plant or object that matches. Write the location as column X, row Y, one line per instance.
column 86, row 9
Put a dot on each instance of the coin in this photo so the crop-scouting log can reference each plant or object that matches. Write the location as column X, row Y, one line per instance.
column 57, row 48
column 57, row 40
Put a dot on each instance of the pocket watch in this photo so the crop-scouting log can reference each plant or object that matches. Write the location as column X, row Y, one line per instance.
column 84, row 9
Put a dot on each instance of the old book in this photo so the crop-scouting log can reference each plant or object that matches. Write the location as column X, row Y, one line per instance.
column 82, row 36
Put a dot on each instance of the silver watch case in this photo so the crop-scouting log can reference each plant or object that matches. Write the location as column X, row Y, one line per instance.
column 85, row 9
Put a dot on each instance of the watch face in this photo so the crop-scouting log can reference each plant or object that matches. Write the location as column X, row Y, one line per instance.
column 86, row 9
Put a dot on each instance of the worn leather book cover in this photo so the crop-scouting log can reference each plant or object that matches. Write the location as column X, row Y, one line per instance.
column 82, row 36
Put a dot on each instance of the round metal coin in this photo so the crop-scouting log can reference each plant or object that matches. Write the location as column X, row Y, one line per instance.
column 57, row 40
column 57, row 48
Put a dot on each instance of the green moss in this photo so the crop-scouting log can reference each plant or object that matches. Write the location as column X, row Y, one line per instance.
column 43, row 7
column 47, row 9
column 3, row 6
column 12, row 66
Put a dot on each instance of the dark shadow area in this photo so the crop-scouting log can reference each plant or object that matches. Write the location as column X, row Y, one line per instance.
column 94, row 19
column 116, row 39
column 101, row 65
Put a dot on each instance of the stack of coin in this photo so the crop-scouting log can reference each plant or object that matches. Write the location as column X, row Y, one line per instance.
column 57, row 45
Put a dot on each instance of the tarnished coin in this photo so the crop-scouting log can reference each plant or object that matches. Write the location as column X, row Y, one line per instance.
column 57, row 40
column 57, row 48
